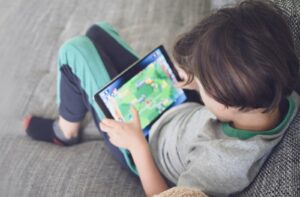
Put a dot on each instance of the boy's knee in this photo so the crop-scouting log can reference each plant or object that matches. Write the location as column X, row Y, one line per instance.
column 73, row 45
column 78, row 43
column 73, row 50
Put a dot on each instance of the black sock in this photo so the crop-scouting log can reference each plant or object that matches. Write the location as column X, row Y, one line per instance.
column 47, row 130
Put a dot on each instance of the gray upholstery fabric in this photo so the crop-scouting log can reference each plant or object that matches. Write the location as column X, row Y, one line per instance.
column 292, row 9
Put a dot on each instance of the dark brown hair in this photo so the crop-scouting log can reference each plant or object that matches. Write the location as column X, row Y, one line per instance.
column 243, row 56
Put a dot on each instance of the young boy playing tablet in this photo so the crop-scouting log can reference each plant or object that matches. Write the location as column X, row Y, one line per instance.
column 242, row 62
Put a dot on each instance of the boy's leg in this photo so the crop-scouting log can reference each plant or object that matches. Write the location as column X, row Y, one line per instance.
column 117, row 56
column 86, row 60
column 94, row 59
column 85, row 64
column 72, row 109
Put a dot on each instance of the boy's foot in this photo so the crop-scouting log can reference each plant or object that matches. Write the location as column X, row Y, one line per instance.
column 47, row 130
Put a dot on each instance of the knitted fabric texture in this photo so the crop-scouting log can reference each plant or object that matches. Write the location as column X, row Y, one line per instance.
column 181, row 192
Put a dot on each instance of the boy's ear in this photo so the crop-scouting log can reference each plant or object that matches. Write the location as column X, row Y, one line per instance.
column 190, row 86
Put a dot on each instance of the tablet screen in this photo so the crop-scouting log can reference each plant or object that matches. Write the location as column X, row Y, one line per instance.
column 151, row 90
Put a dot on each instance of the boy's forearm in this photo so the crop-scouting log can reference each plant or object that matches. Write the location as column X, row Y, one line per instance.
column 152, row 181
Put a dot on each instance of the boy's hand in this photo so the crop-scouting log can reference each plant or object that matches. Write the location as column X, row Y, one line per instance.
column 126, row 135
column 130, row 136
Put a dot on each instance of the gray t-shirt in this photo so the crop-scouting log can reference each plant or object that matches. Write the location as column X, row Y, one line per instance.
column 192, row 148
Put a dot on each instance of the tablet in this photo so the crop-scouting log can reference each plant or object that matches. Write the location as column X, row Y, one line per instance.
column 148, row 85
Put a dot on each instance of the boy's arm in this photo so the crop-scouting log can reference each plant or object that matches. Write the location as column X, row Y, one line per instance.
column 152, row 181
column 130, row 136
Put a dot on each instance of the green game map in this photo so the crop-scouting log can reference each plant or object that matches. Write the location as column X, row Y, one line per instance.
column 150, row 92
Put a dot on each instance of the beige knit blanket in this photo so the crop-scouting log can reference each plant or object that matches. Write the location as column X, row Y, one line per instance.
column 181, row 192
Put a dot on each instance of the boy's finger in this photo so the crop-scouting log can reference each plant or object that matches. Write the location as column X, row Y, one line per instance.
column 104, row 127
column 110, row 122
column 109, row 130
column 135, row 114
column 117, row 110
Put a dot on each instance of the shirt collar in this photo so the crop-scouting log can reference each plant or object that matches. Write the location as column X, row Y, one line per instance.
column 246, row 134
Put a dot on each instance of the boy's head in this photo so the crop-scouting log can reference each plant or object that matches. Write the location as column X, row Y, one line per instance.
column 242, row 57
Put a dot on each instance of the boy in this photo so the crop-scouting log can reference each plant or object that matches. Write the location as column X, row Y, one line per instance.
column 242, row 63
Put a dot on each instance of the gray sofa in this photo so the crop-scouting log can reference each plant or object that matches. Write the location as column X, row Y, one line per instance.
column 31, row 33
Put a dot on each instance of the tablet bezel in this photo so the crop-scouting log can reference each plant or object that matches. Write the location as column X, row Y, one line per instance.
column 130, row 72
